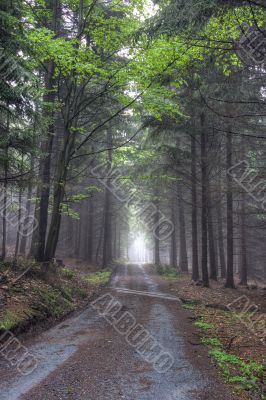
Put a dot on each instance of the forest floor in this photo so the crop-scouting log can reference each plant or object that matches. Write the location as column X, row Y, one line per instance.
column 87, row 356
column 232, row 324
column 33, row 296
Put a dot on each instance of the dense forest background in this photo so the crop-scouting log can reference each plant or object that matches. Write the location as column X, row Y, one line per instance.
column 124, row 121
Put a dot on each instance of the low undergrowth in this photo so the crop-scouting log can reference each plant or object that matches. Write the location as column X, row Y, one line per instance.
column 233, row 338
column 99, row 277
column 245, row 374
column 43, row 292
column 167, row 273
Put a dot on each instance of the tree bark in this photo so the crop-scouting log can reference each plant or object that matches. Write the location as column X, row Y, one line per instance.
column 229, row 211
column 107, row 231
column 47, row 144
column 204, row 205
column 212, row 253
column 24, row 236
column 194, row 212
column 173, row 250
column 90, row 229
column 183, row 259
column 243, row 233
column 157, row 258
column 4, row 212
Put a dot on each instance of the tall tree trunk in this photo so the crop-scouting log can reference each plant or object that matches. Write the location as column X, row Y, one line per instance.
column 115, row 239
column 221, row 240
column 47, row 144
column 219, row 212
column 77, row 238
column 229, row 211
column 107, row 230
column 19, row 221
column 4, row 212
column 25, row 230
column 243, row 233
column 212, row 254
column 119, row 243
column 243, row 238
column 173, row 252
column 194, row 211
column 100, row 239
column 90, row 229
column 204, row 205
column 58, row 196
column 156, row 236
column 35, row 235
column 183, row 259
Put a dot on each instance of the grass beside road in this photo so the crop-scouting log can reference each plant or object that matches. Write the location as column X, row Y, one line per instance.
column 233, row 339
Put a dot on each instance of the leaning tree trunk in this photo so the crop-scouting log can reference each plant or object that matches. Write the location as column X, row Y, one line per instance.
column 204, row 205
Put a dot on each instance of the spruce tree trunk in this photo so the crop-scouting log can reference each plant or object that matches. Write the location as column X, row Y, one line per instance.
column 19, row 221
column 212, row 253
column 24, row 236
column 90, row 229
column 35, row 235
column 194, row 212
column 221, row 240
column 107, row 229
column 219, row 212
column 4, row 212
column 229, row 211
column 243, row 233
column 173, row 250
column 183, row 259
column 204, row 205
column 157, row 258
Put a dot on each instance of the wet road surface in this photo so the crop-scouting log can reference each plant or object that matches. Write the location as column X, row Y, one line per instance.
column 85, row 358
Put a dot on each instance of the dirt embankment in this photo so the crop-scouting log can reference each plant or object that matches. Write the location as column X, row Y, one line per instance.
column 34, row 295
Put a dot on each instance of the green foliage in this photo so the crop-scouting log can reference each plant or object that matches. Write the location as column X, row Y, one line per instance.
column 203, row 325
column 251, row 373
column 68, row 273
column 100, row 277
column 54, row 302
column 215, row 342
column 167, row 273
column 11, row 319
column 188, row 306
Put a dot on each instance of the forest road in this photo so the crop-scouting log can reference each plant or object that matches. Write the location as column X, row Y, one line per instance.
column 86, row 357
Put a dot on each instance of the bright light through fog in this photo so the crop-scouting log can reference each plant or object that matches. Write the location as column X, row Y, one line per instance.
column 138, row 251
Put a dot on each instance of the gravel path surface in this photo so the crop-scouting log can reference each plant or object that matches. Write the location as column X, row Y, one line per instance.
column 85, row 358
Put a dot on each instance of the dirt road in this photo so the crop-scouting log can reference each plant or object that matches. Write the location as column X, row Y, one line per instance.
column 86, row 358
